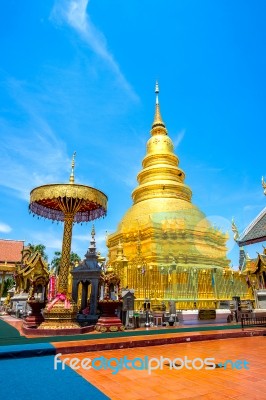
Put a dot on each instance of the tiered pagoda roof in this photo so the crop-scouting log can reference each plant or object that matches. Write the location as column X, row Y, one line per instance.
column 255, row 232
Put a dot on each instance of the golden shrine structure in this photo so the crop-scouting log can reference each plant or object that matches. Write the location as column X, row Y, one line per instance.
column 32, row 274
column 164, row 246
column 109, row 302
column 254, row 269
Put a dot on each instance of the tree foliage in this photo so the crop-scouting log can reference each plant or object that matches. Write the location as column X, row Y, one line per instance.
column 55, row 263
column 40, row 248
column 8, row 284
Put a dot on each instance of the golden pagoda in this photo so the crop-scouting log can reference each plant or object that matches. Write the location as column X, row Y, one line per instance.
column 164, row 246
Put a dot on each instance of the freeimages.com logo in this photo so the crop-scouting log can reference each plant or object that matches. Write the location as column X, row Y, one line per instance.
column 146, row 363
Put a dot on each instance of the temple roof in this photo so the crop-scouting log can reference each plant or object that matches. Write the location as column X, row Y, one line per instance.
column 253, row 265
column 33, row 264
column 10, row 250
column 255, row 232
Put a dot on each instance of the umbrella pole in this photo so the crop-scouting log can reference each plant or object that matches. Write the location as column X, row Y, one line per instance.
column 66, row 249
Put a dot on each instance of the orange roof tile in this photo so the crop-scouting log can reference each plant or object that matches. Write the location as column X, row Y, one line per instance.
column 10, row 250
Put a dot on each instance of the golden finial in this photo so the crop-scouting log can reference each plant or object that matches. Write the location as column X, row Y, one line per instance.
column 100, row 258
column 72, row 179
column 157, row 118
column 263, row 185
column 119, row 251
column 109, row 269
column 235, row 230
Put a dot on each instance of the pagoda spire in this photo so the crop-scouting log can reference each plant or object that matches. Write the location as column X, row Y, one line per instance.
column 158, row 126
column 72, row 178
column 160, row 176
column 92, row 248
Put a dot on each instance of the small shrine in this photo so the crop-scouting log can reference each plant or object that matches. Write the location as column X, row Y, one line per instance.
column 85, row 284
column 128, row 299
column 254, row 270
column 32, row 275
column 32, row 278
column 110, row 303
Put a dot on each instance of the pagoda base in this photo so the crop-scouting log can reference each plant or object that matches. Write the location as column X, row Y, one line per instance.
column 35, row 318
column 109, row 321
column 109, row 324
column 60, row 317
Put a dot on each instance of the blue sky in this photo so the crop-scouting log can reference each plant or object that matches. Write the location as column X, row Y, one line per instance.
column 79, row 75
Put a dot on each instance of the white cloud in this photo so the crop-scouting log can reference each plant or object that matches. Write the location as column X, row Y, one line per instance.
column 74, row 13
column 4, row 228
column 177, row 139
column 251, row 207
column 100, row 239
column 50, row 237
column 32, row 155
column 31, row 162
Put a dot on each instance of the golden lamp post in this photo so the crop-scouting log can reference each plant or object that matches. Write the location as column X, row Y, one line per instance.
column 69, row 203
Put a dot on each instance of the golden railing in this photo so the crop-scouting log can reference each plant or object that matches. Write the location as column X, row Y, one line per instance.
column 189, row 287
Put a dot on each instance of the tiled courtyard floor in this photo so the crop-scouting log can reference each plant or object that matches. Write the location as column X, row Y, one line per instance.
column 218, row 383
column 215, row 384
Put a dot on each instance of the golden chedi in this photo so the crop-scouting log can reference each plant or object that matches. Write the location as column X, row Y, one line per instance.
column 164, row 246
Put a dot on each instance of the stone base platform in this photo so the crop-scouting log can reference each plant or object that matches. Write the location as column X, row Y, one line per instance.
column 152, row 339
column 109, row 324
column 259, row 312
column 192, row 317
column 56, row 332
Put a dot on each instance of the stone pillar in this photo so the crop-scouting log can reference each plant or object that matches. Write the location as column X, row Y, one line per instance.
column 75, row 290
column 84, row 295
column 94, row 291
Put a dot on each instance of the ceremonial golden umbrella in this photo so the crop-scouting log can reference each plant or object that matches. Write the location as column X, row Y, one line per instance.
column 69, row 203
